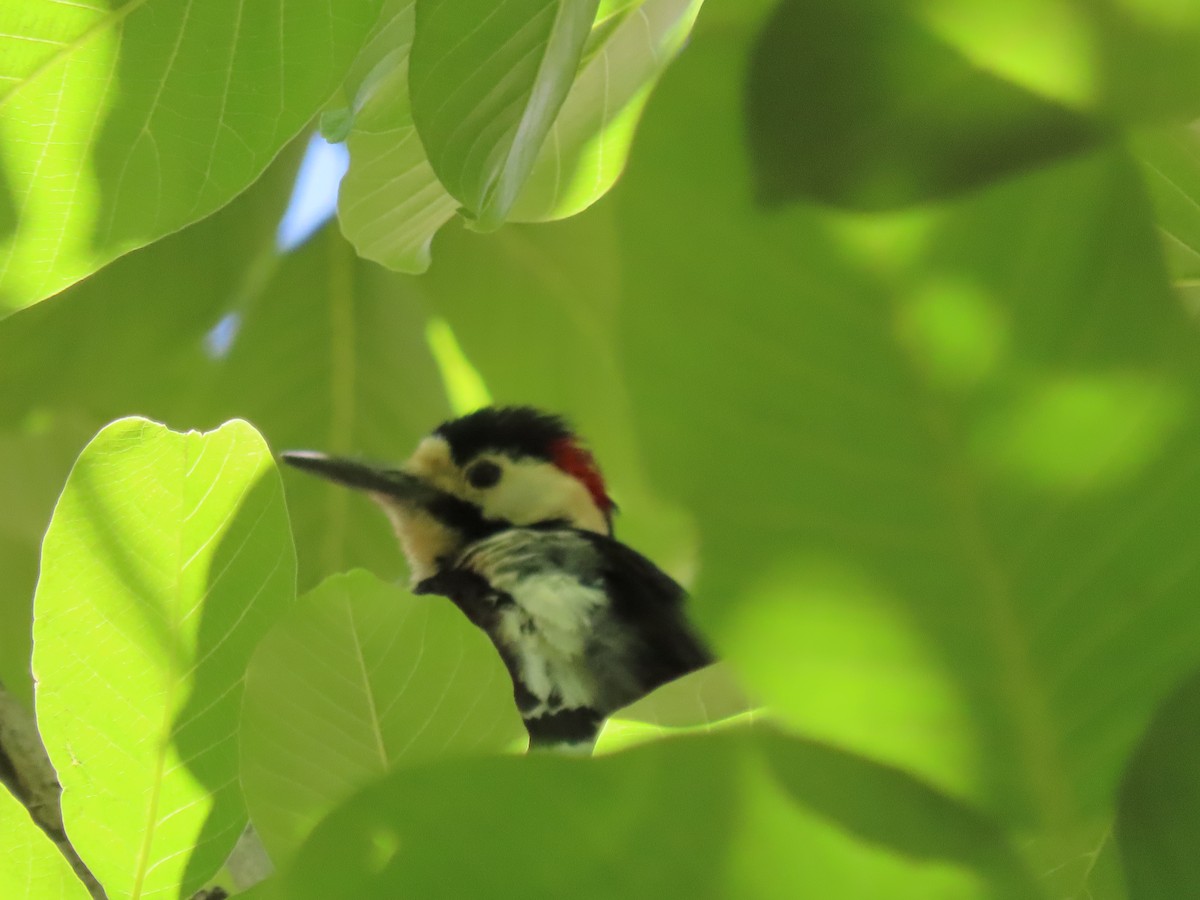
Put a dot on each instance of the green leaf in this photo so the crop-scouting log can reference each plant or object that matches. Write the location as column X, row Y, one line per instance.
column 167, row 559
column 34, row 460
column 1170, row 160
column 879, row 104
column 358, row 679
column 932, row 457
column 1158, row 820
column 700, row 701
column 391, row 203
column 486, row 83
column 695, row 817
column 585, row 151
column 122, row 124
column 861, row 105
column 30, row 865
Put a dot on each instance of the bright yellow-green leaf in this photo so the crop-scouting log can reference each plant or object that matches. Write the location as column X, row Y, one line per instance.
column 122, row 122
column 167, row 559
column 31, row 867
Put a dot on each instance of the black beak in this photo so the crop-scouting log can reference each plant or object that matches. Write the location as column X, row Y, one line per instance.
column 393, row 483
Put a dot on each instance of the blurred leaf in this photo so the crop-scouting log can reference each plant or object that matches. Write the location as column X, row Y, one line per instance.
column 586, row 148
column 30, row 865
column 167, row 559
column 1158, row 820
column 861, row 105
column 1170, row 159
column 358, row 679
column 932, row 457
column 391, row 203
column 695, row 817
column 1132, row 62
column 487, row 82
column 122, row 125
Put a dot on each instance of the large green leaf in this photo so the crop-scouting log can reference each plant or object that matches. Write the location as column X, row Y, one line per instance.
column 732, row 815
column 932, row 456
column 167, row 559
column 30, row 865
column 358, row 679
column 486, row 81
column 121, row 123
column 586, row 148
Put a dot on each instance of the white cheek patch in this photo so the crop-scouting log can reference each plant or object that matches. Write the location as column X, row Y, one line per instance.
column 535, row 491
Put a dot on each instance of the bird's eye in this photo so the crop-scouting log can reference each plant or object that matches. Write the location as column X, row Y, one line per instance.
column 483, row 474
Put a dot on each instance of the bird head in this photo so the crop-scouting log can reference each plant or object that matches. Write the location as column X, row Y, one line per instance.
column 497, row 468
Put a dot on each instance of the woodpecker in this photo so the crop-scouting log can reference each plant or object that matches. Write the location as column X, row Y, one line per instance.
column 505, row 512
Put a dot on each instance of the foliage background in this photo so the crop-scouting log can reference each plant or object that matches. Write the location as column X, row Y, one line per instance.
column 885, row 337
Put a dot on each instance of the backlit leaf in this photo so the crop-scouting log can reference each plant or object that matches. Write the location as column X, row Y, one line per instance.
column 360, row 678
column 30, row 865
column 486, row 81
column 122, row 122
column 167, row 559
column 586, row 148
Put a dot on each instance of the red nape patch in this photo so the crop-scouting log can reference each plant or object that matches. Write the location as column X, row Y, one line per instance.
column 579, row 463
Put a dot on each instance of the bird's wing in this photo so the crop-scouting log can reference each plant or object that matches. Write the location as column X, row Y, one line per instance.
column 585, row 624
column 654, row 606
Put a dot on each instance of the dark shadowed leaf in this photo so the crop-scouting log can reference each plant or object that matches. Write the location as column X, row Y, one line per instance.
column 861, row 105
column 696, row 817
column 1158, row 820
